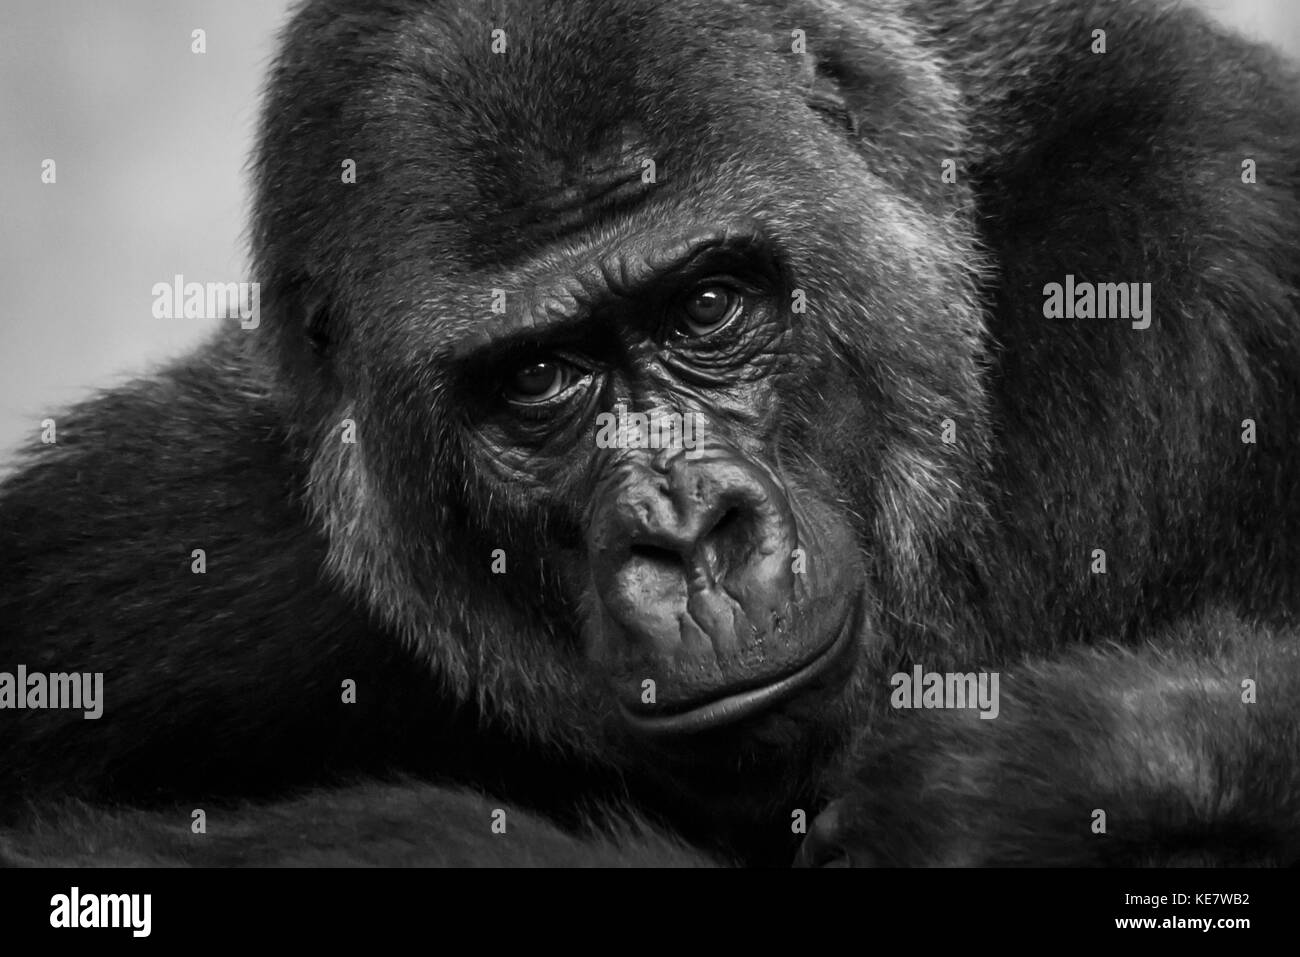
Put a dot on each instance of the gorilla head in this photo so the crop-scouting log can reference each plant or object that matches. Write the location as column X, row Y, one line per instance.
column 678, row 215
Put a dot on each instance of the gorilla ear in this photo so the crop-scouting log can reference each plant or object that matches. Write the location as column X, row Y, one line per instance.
column 824, row 83
column 311, row 312
column 318, row 327
column 834, row 109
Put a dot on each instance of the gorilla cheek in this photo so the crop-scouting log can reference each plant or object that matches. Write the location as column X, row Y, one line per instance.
column 712, row 607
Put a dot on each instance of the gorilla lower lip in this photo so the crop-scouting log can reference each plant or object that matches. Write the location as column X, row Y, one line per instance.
column 745, row 704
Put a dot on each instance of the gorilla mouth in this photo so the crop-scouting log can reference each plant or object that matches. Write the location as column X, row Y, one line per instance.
column 736, row 706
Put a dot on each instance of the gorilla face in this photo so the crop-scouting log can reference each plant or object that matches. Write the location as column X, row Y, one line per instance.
column 727, row 580
column 685, row 227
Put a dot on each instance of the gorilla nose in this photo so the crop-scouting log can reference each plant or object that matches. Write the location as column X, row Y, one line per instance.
column 698, row 544
column 691, row 557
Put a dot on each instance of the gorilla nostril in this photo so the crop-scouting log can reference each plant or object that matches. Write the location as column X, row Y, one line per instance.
column 726, row 542
column 656, row 555
column 728, row 525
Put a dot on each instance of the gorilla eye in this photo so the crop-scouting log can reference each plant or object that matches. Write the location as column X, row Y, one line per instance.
column 708, row 308
column 537, row 381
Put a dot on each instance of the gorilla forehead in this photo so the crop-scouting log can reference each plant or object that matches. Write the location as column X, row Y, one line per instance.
column 487, row 146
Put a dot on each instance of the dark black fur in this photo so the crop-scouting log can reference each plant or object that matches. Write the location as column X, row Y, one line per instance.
column 372, row 825
column 371, row 562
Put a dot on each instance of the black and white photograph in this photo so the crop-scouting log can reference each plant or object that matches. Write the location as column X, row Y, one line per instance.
column 706, row 434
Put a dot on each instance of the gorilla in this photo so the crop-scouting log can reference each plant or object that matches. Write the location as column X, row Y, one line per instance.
column 748, row 432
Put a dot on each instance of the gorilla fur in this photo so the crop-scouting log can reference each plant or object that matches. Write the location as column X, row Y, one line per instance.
column 819, row 173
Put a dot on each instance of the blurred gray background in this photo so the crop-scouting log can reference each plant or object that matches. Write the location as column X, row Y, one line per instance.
column 151, row 143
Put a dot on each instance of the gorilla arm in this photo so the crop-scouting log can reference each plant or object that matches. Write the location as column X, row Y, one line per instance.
column 397, row 825
column 230, row 678
column 1188, row 747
